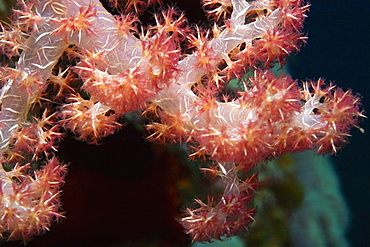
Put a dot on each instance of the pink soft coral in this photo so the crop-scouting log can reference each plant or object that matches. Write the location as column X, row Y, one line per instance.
column 176, row 74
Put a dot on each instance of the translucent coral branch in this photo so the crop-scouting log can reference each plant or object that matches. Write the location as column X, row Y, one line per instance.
column 223, row 218
column 34, row 66
column 46, row 44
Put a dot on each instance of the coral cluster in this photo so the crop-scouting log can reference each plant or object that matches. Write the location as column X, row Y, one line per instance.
column 73, row 66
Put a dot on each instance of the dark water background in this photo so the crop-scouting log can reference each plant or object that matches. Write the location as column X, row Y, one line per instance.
column 339, row 50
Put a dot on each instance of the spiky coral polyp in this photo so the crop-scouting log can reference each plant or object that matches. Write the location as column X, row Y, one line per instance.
column 32, row 204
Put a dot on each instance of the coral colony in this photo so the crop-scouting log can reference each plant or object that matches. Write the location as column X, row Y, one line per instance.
column 70, row 65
